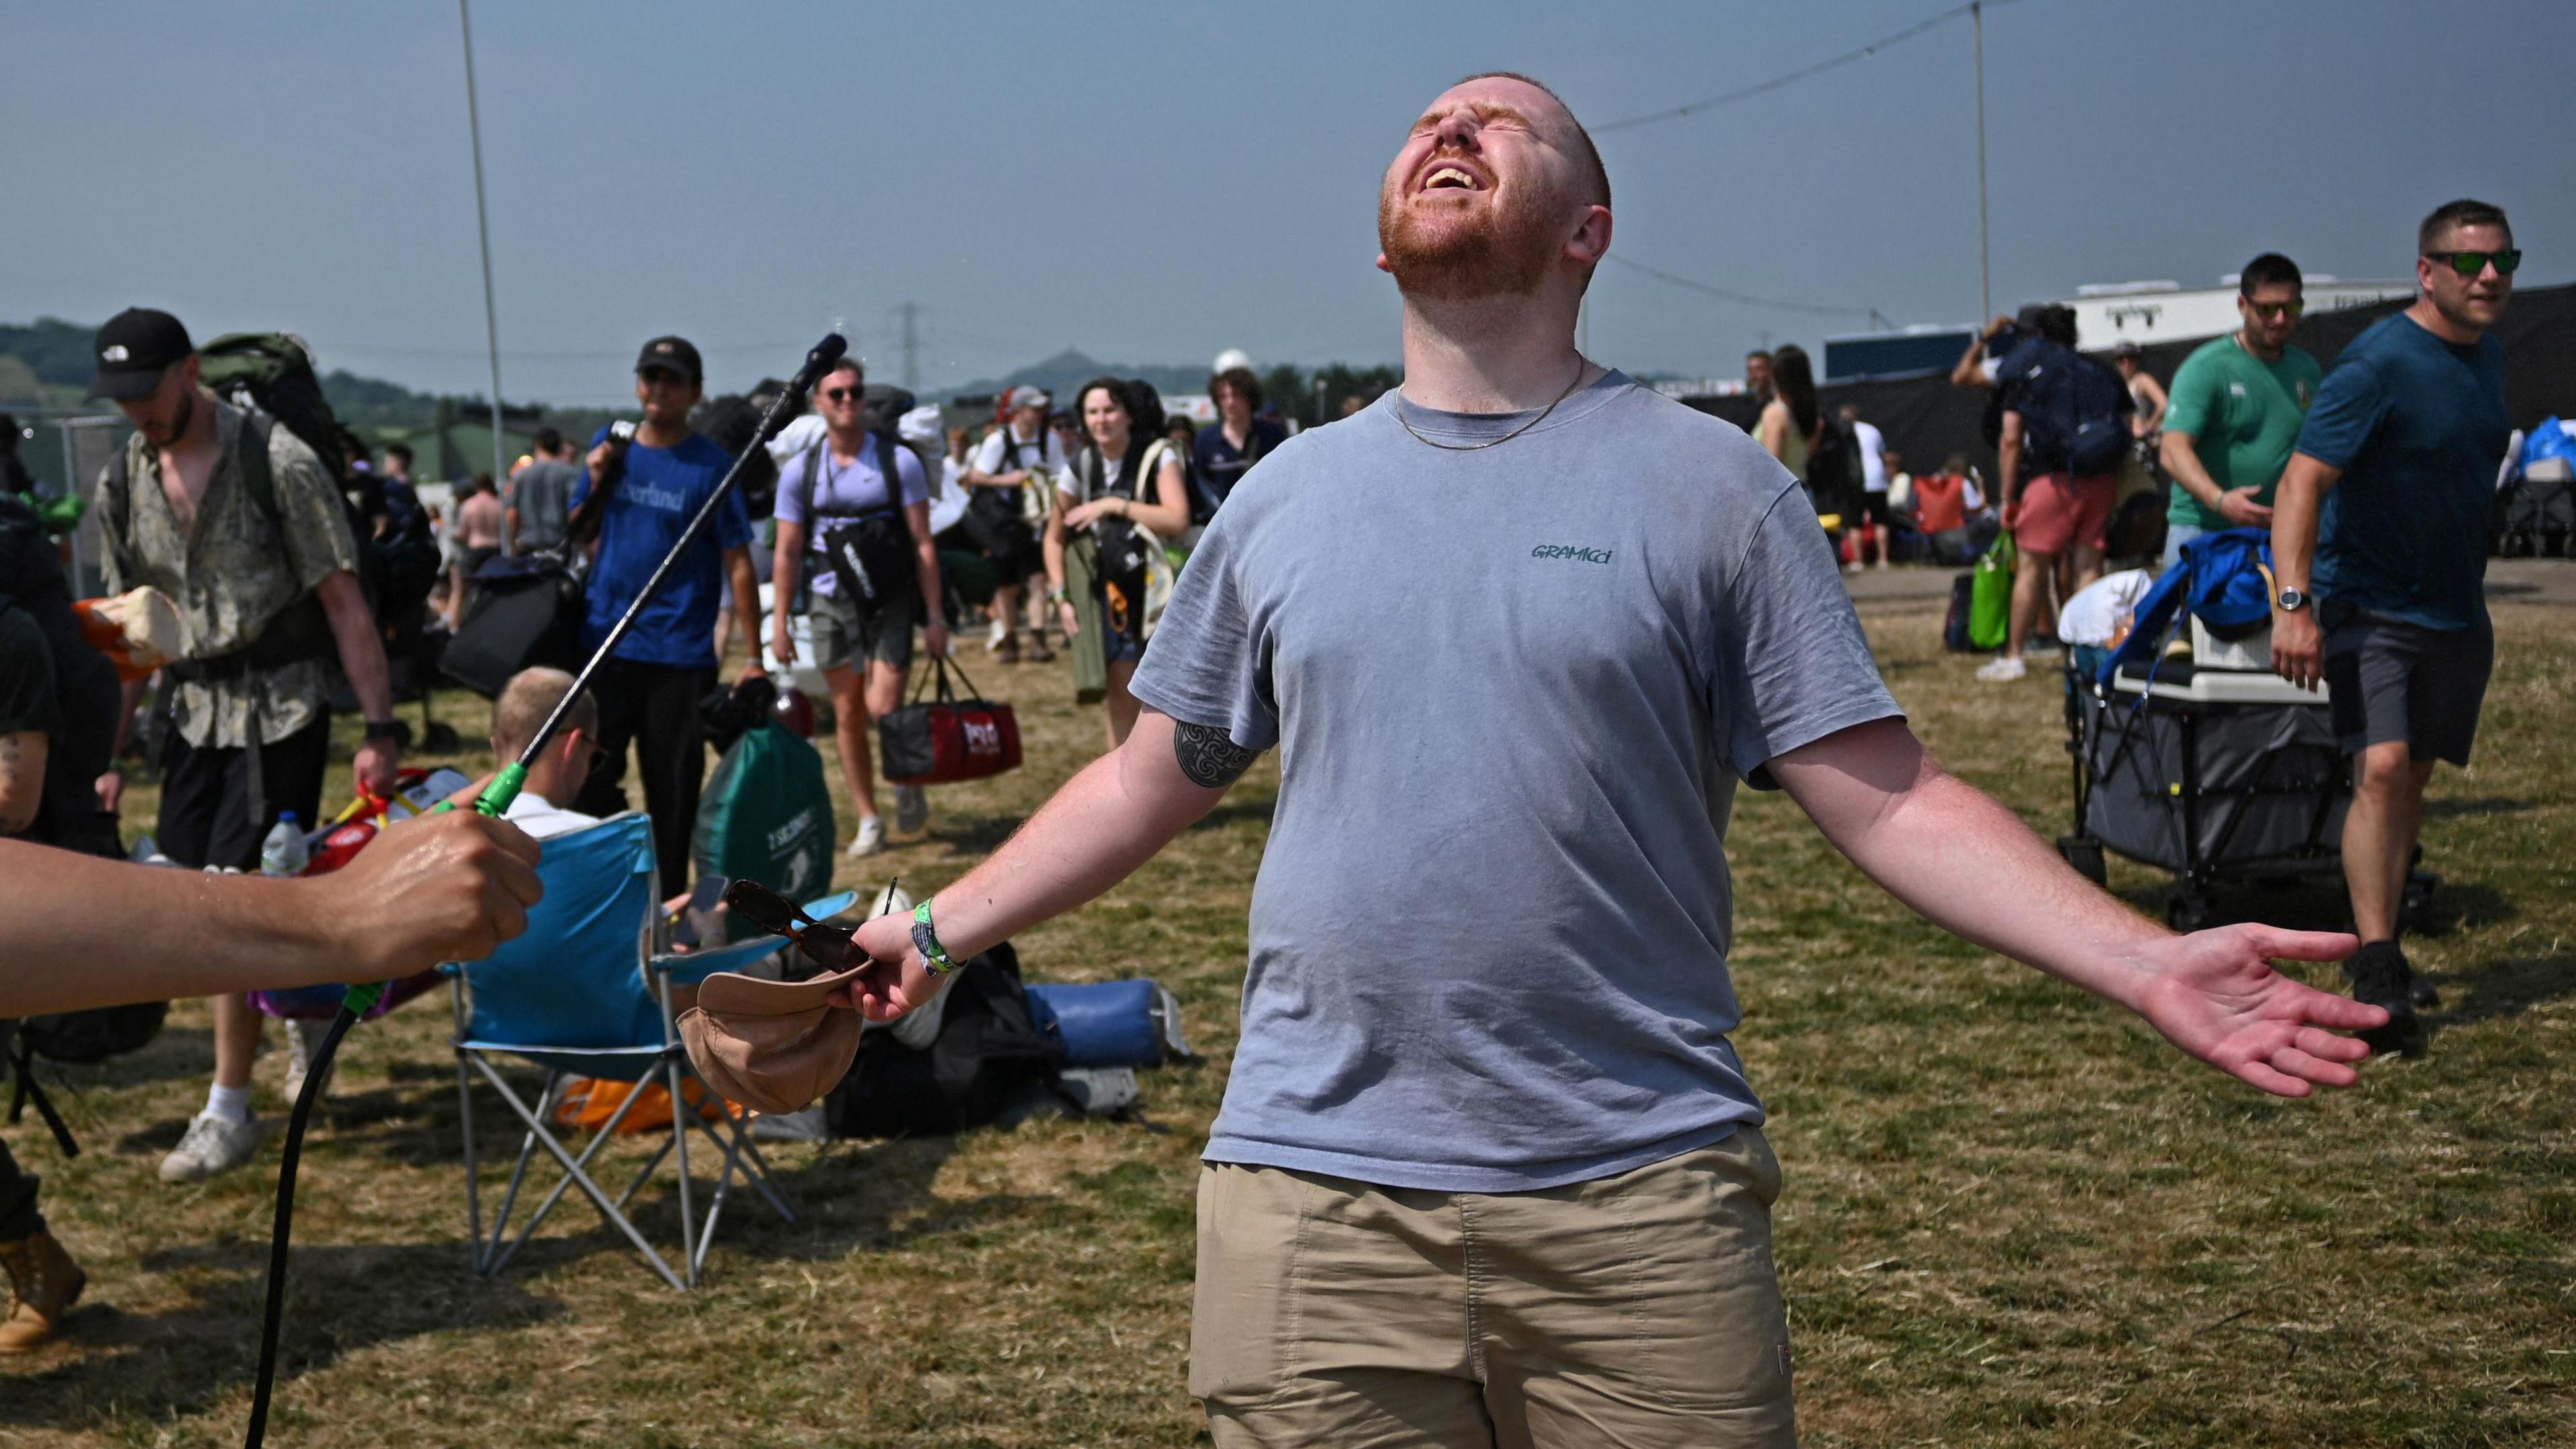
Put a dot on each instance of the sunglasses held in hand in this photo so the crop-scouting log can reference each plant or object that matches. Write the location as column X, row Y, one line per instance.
column 826, row 947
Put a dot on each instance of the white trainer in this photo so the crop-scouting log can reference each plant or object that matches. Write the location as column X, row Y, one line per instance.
column 303, row 1038
column 2003, row 669
column 870, row 839
column 213, row 1144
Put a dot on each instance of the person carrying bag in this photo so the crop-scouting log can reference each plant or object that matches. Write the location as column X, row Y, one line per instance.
column 854, row 516
column 1126, row 493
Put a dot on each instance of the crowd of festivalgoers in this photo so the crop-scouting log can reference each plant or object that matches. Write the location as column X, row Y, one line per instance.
column 1080, row 510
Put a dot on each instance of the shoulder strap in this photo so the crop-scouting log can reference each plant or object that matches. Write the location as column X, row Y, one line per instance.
column 813, row 466
column 256, row 474
column 892, row 466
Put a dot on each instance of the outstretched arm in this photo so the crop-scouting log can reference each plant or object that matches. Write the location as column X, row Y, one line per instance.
column 1094, row 832
column 443, row 888
column 1971, row 867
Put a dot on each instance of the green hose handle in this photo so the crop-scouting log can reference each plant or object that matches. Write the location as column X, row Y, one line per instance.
column 496, row 798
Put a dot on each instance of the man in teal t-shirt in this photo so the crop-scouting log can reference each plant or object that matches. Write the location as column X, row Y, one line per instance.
column 2235, row 409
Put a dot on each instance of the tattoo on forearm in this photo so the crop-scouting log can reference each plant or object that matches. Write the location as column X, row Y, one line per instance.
column 1209, row 756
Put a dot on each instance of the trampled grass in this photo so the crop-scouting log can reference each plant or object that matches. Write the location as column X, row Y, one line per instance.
column 2012, row 1216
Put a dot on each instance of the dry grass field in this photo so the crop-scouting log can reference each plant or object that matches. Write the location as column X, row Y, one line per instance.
column 2012, row 1216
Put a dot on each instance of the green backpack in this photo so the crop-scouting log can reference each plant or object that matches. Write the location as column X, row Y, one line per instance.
column 767, row 815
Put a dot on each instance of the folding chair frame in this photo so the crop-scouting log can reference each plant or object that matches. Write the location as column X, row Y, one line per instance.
column 670, row 1066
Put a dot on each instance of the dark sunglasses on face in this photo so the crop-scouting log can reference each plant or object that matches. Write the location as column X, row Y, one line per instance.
column 2270, row 310
column 2470, row 264
column 841, row 394
column 827, row 947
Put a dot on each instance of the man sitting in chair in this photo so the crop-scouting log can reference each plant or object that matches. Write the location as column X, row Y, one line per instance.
column 517, row 715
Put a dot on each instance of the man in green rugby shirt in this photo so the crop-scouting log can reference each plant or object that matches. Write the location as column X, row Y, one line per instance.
column 2235, row 409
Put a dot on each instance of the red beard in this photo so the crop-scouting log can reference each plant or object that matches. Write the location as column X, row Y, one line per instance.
column 1501, row 250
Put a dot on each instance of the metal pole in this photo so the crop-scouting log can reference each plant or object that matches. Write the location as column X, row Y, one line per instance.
column 1985, row 271
column 483, row 234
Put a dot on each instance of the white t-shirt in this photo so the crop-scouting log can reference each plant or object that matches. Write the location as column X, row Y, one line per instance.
column 543, row 819
column 1045, row 452
column 1873, row 458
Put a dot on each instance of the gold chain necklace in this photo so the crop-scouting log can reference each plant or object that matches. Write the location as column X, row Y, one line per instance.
column 1582, row 365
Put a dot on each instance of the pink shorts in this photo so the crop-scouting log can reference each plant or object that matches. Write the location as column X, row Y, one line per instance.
column 2057, row 511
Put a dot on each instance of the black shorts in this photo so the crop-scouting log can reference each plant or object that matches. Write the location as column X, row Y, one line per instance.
column 1875, row 508
column 2391, row 680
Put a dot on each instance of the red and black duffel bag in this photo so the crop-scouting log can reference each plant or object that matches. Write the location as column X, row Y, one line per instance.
column 946, row 739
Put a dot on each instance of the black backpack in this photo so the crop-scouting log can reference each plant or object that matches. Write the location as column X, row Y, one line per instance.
column 870, row 552
column 1834, row 470
column 990, row 1048
column 2074, row 412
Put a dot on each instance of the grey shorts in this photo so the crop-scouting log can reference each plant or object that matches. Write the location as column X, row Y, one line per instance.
column 2392, row 680
column 844, row 637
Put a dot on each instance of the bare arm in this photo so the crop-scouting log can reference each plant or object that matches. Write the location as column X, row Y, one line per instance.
column 1169, row 514
column 1973, row 868
column 1051, row 548
column 2298, row 644
column 362, row 658
column 934, row 602
column 445, row 888
column 1106, row 821
column 2008, row 465
column 746, row 604
column 22, row 779
column 786, row 569
column 1970, row 370
column 2154, row 417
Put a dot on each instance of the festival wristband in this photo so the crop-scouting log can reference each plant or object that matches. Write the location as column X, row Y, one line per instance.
column 934, row 957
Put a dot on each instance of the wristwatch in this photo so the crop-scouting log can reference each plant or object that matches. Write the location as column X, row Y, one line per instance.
column 2292, row 598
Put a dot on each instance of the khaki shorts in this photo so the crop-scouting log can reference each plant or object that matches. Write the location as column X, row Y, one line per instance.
column 1638, row 1310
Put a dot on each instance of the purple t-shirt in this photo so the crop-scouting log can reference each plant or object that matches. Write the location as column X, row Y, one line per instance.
column 818, row 490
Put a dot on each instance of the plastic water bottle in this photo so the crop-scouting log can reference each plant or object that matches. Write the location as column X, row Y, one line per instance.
column 283, row 852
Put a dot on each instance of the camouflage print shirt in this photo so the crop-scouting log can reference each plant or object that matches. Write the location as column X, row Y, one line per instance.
column 234, row 574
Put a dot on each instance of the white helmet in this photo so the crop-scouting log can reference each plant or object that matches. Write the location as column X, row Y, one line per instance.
column 1230, row 359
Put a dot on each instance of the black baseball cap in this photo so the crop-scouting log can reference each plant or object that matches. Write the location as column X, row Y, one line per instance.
column 135, row 347
column 671, row 354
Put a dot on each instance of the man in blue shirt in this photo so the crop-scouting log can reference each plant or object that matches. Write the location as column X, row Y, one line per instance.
column 2383, row 509
column 648, row 690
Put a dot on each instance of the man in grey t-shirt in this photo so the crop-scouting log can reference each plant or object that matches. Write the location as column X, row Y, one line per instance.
column 1488, row 1169
column 540, row 497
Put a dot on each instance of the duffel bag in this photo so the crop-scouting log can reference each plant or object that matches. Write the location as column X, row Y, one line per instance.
column 527, row 612
column 1114, row 1023
column 944, row 739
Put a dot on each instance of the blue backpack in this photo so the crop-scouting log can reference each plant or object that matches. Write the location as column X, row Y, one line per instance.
column 2224, row 580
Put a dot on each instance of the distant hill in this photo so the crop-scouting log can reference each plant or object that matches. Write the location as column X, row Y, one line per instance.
column 1071, row 368
column 47, row 364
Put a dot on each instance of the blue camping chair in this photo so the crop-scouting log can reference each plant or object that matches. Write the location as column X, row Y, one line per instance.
column 584, row 992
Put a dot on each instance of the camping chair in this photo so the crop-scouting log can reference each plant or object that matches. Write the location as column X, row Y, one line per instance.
column 584, row 993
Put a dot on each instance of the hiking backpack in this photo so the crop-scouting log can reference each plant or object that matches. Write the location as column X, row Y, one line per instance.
column 2074, row 411
column 269, row 376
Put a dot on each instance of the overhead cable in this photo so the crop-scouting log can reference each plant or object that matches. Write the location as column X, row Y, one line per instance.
column 1795, row 76
column 1747, row 298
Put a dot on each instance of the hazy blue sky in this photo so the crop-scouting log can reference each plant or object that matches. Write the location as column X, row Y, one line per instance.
column 1155, row 182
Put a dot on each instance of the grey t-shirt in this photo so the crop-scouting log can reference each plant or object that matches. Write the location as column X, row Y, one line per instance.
column 543, row 495
column 1513, row 690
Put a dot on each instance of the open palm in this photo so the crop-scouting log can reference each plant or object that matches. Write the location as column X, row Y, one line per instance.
column 2216, row 996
